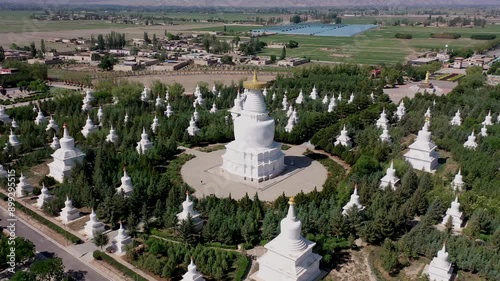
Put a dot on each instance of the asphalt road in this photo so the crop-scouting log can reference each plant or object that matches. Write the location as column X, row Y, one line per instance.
column 42, row 244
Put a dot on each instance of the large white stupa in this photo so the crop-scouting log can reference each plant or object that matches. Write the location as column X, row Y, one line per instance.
column 122, row 240
column 192, row 274
column 484, row 131
column 93, row 226
column 68, row 213
column 325, row 99
column 440, row 269
column 422, row 155
column 455, row 214
column 253, row 155
column 353, row 202
column 23, row 187
column 169, row 112
column 332, row 104
column 65, row 157
column 390, row 179
column 289, row 256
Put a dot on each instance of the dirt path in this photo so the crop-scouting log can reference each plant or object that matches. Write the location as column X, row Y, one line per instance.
column 356, row 268
column 337, row 160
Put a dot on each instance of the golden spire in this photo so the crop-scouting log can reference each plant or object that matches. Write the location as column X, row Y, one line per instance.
column 254, row 84
column 291, row 201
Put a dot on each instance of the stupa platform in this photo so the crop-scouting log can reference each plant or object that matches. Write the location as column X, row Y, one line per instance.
column 204, row 174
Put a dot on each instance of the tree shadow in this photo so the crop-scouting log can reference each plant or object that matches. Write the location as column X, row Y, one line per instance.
column 442, row 161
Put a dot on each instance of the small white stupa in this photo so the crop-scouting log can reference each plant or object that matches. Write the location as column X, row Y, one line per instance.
column 159, row 101
column 273, row 97
column 3, row 172
column 401, row 110
column 289, row 256
column 68, row 213
column 145, row 95
column 188, row 210
column 314, row 93
column 284, row 103
column 238, row 106
column 289, row 111
column 93, row 226
column 192, row 130
column 484, row 131
column 471, row 141
column 351, row 99
column 295, row 116
column 382, row 122
column 372, row 97
column 343, row 139
column 86, row 106
column 40, row 118
column 115, row 100
column 455, row 214
column 122, row 240
column 13, row 141
column 112, row 136
column 4, row 117
column 214, row 90
column 196, row 115
column 169, row 112
column 55, row 145
column 197, row 91
column 100, row 114
column 88, row 128
column 422, row 155
column 214, row 108
column 385, row 137
column 167, row 96
column 290, row 125
column 440, row 269
column 125, row 119
column 325, row 99
column 23, row 187
column 300, row 98
column 488, row 119
column 457, row 184
column 43, row 198
column 427, row 113
column 192, row 274
column 219, row 94
column 456, row 120
column 126, row 188
column 390, row 179
column 332, row 104
column 144, row 144
column 155, row 124
column 88, row 96
column 52, row 125
column 34, row 108
column 353, row 202
column 264, row 92
column 14, row 124
column 65, row 157
column 339, row 98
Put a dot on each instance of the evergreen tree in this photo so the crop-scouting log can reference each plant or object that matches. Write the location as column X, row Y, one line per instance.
column 2, row 54
column 186, row 230
column 42, row 46
column 33, row 49
column 283, row 53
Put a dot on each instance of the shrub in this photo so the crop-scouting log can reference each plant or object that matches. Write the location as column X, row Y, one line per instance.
column 446, row 35
column 483, row 36
column 97, row 255
column 403, row 36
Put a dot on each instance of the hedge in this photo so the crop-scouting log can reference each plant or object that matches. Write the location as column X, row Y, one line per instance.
column 483, row 36
column 98, row 255
column 242, row 268
column 403, row 36
column 446, row 35
column 72, row 238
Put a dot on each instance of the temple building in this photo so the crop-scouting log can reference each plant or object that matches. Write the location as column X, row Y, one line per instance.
column 385, row 137
column 112, row 136
column 126, row 188
column 88, row 128
column 440, row 269
column 390, row 179
column 68, row 213
column 193, row 130
column 52, row 125
column 343, row 139
column 353, row 202
column 471, row 141
column 253, row 155
column 93, row 226
column 455, row 214
column 188, row 210
column 488, row 119
column 144, row 144
column 23, row 188
column 289, row 256
column 65, row 157
column 314, row 93
column 4, row 117
column 382, row 122
column 122, row 240
column 456, row 120
column 401, row 110
column 422, row 155
column 43, row 198
column 192, row 274
column 457, row 184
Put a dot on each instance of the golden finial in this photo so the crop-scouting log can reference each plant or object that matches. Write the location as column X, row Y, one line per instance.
column 254, row 84
column 427, row 119
column 291, row 201
column 255, row 76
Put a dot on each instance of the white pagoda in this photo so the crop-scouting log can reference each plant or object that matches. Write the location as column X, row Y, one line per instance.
column 167, row 96
column 339, row 98
column 455, row 214
column 13, row 141
column 55, row 145
column 122, row 240
column 401, row 110
column 144, row 144
column 284, row 103
column 88, row 96
column 422, row 155
column 237, row 107
column 382, row 122
column 290, row 125
column 289, row 256
column 126, row 188
column 112, row 136
column 126, row 118
column 427, row 113
column 385, row 137
column 145, row 95
column 40, row 118
column 457, row 184
column 325, row 99
column 372, row 97
column 314, row 93
column 188, row 210
column 168, row 111
column 456, row 120
column 14, row 123
column 273, row 97
column 353, row 202
column 214, row 108
column 100, row 114
column 158, row 102
column 196, row 115
column 192, row 130
column 390, row 179
column 264, row 92
column 295, row 116
column 351, row 99
column 4, row 117
column 88, row 128
column 68, row 213
column 23, row 187
column 289, row 111
column 65, row 157
column 52, row 125
column 488, row 119
column 93, row 226
column 155, row 124
column 253, row 155
column 300, row 98
column 332, row 104
column 471, row 141
column 484, row 131
column 440, row 269
column 43, row 198
column 86, row 106
column 343, row 139
column 192, row 274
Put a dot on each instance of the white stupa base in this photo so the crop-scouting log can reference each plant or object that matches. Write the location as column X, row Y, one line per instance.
column 121, row 246
column 58, row 172
column 429, row 164
column 69, row 218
